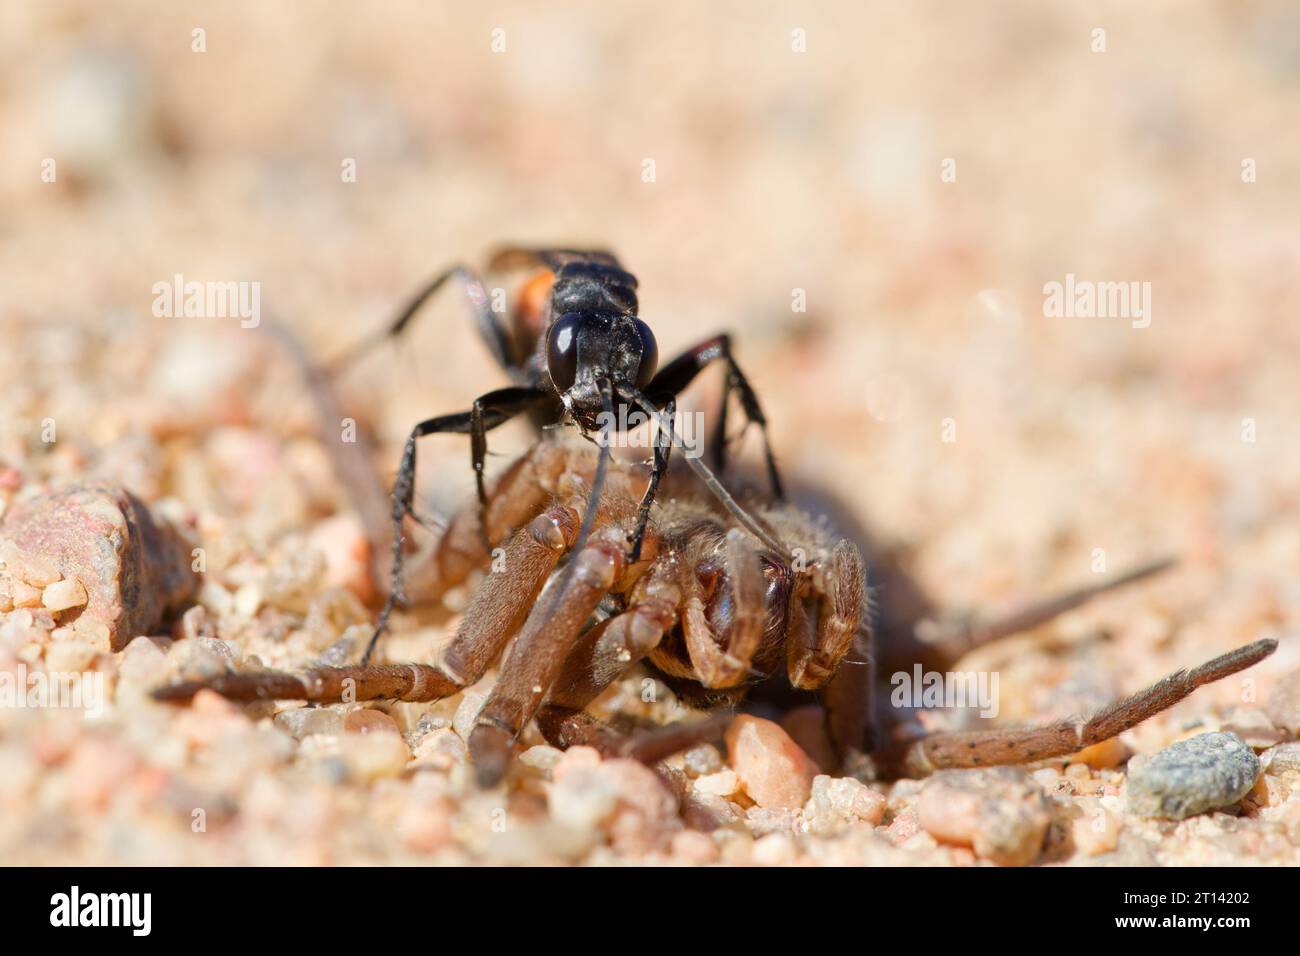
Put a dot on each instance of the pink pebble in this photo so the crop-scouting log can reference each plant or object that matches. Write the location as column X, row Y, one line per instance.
column 774, row 770
column 368, row 721
column 575, row 758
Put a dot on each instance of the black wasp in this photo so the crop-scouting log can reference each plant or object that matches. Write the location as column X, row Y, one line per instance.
column 575, row 350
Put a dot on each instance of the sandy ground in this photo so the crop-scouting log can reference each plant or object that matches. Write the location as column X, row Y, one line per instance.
column 875, row 218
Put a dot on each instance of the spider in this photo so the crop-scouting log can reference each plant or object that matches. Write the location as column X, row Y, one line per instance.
column 706, row 606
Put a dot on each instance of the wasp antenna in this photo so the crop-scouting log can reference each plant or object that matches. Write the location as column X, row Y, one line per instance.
column 749, row 522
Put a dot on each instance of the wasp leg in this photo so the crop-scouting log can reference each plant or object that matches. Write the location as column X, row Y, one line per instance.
column 490, row 411
column 681, row 371
column 492, row 330
column 663, row 446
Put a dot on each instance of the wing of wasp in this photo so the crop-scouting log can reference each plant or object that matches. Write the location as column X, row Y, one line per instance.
column 521, row 257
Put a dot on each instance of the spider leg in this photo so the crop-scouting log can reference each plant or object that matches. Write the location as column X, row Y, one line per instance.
column 600, row 657
column 849, row 702
column 538, row 655
column 816, row 660
column 681, row 371
column 954, row 640
column 839, row 613
column 517, row 496
column 716, row 666
column 577, row 727
column 493, row 616
column 323, row 685
column 984, row 747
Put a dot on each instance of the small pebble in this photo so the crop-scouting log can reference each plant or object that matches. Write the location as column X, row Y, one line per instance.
column 1207, row 772
column 1284, row 758
column 807, row 727
column 1000, row 812
column 775, row 849
column 574, row 759
column 694, row 848
column 134, row 566
column 62, row 595
column 28, row 566
column 541, row 758
column 195, row 624
column 839, row 802
column 1283, row 702
column 441, row 749
column 144, row 662
column 704, row 811
column 248, row 600
column 624, row 798
column 369, row 757
column 1254, row 727
column 302, row 722
column 723, row 783
column 903, row 827
column 702, row 760
column 209, row 718
column 583, row 800
column 343, row 543
column 425, row 826
column 69, row 657
column 369, row 721
column 774, row 770
column 762, row 821
column 1108, row 753
column 23, row 594
column 471, row 702
column 1096, row 832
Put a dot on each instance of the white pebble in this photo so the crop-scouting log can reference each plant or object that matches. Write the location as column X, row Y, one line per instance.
column 471, row 702
column 721, row 784
column 248, row 600
column 62, row 595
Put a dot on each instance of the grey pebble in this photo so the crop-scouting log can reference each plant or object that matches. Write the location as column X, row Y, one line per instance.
column 302, row 722
column 1203, row 773
column 337, row 654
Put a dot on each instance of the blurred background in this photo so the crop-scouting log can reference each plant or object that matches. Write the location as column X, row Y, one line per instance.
column 773, row 170
column 916, row 173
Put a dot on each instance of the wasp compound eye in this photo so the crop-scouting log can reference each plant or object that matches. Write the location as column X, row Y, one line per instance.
column 562, row 350
column 649, row 355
